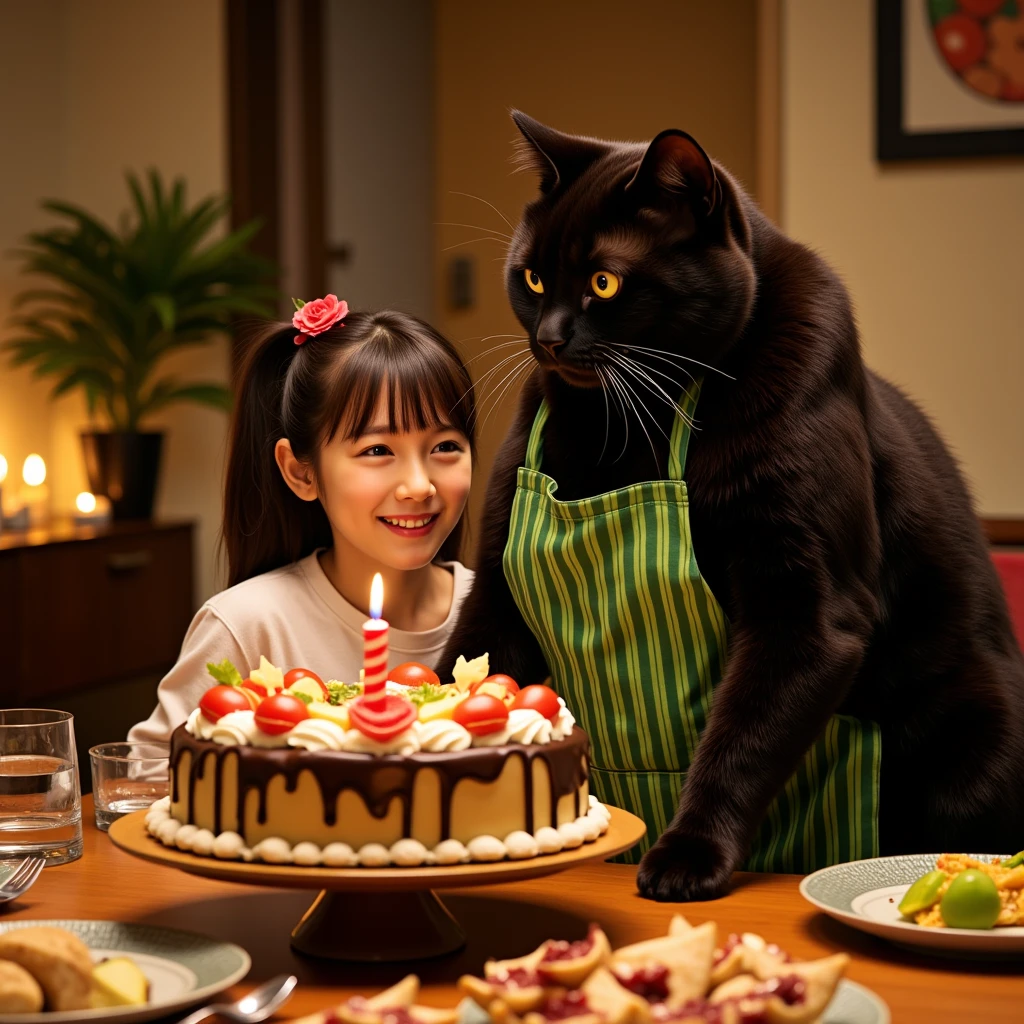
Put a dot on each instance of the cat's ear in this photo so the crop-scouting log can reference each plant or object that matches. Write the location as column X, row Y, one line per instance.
column 675, row 163
column 556, row 157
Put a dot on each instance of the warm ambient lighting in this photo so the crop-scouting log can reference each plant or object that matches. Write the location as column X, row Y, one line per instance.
column 34, row 470
column 3, row 469
column 376, row 596
column 86, row 502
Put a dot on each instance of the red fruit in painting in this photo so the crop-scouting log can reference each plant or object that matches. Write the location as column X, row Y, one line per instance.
column 961, row 40
column 481, row 714
column 981, row 8
column 539, row 698
column 280, row 713
column 412, row 673
column 219, row 701
column 295, row 674
column 382, row 720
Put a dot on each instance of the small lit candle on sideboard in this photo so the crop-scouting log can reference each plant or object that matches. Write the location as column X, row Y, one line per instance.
column 35, row 495
column 91, row 510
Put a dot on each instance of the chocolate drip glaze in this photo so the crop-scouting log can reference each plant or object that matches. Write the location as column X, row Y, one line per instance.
column 378, row 780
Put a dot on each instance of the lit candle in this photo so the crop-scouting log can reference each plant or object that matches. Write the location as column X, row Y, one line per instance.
column 90, row 510
column 35, row 495
column 375, row 647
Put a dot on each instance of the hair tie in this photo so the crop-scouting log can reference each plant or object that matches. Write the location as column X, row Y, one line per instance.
column 315, row 317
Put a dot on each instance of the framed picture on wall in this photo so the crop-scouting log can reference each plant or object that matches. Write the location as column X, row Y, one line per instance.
column 950, row 78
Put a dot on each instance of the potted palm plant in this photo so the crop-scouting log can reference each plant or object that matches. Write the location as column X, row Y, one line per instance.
column 117, row 303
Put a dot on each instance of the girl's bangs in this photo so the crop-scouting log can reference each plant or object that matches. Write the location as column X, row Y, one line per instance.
column 402, row 386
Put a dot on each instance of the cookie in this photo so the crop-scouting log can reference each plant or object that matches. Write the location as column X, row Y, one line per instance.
column 58, row 960
column 19, row 991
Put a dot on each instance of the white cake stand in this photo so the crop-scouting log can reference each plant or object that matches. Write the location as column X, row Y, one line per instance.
column 353, row 917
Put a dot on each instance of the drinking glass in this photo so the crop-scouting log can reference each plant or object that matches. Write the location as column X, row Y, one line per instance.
column 40, row 794
column 127, row 777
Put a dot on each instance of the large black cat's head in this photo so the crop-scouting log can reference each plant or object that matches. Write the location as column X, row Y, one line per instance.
column 631, row 253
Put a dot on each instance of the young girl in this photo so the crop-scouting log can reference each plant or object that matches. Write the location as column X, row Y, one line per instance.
column 351, row 454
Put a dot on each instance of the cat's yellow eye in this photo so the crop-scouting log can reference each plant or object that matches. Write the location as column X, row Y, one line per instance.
column 605, row 285
column 533, row 282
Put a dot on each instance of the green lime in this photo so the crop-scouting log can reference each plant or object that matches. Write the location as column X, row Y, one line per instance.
column 922, row 894
column 971, row 901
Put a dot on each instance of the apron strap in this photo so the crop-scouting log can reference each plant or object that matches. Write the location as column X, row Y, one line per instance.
column 535, row 446
column 681, row 428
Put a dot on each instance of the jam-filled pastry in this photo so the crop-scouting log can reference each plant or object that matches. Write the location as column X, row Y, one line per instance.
column 671, row 970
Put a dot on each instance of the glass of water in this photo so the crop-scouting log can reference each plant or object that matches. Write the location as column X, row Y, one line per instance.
column 127, row 777
column 40, row 795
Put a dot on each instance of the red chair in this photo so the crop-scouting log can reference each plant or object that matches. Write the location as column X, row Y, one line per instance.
column 1010, row 566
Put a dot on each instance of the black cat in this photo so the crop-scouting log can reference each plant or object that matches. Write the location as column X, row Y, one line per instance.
column 827, row 516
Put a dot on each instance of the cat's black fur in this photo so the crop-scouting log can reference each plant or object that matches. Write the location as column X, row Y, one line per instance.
column 827, row 516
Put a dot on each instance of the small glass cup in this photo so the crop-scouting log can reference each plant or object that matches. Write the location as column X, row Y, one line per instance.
column 127, row 777
column 40, row 792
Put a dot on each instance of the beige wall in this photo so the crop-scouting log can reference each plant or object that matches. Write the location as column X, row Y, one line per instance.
column 594, row 68
column 931, row 251
column 88, row 90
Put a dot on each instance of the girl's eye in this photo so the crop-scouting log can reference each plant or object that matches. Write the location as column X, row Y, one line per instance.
column 533, row 282
column 448, row 447
column 377, row 450
column 605, row 285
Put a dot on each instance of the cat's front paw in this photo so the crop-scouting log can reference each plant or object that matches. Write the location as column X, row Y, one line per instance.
column 680, row 869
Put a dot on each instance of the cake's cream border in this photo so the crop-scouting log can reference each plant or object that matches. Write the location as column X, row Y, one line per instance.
column 404, row 853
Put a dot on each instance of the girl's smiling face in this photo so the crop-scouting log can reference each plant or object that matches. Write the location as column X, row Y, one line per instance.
column 395, row 497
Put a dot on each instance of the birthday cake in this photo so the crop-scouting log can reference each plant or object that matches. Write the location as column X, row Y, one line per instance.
column 288, row 769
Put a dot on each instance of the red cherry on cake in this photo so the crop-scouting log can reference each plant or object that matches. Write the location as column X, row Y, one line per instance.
column 292, row 676
column 481, row 714
column 219, row 701
column 539, row 698
column 412, row 673
column 382, row 720
column 280, row 713
column 254, row 691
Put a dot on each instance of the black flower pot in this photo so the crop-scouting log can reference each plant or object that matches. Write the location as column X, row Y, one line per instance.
column 124, row 467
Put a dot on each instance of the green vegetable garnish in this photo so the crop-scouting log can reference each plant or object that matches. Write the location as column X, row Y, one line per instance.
column 338, row 693
column 304, row 697
column 971, row 901
column 922, row 894
column 1015, row 861
column 427, row 693
column 224, row 672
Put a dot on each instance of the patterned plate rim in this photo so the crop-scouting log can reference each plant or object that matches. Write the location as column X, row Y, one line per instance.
column 911, row 867
column 131, row 941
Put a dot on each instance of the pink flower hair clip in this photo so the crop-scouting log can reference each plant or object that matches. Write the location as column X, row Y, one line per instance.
column 315, row 317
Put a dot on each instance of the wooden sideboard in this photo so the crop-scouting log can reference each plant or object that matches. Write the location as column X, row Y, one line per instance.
column 91, row 618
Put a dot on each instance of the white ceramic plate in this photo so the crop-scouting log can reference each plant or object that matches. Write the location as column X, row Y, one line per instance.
column 183, row 969
column 865, row 894
column 852, row 1004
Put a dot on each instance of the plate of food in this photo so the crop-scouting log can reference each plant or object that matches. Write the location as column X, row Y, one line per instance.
column 53, row 972
column 688, row 976
column 954, row 903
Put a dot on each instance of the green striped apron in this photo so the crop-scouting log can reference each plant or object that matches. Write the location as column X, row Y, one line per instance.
column 636, row 643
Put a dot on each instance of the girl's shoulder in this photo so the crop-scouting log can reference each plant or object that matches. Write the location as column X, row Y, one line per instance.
column 463, row 578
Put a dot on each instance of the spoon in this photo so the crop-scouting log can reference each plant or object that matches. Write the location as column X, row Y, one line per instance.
column 258, row 1005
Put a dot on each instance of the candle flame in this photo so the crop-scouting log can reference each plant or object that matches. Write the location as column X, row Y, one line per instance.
column 33, row 472
column 3, row 469
column 86, row 502
column 376, row 596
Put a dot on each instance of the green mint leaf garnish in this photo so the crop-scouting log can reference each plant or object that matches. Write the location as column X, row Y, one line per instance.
column 304, row 697
column 224, row 672
column 425, row 694
column 338, row 693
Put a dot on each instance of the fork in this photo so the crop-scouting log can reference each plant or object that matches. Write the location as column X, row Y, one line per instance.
column 21, row 878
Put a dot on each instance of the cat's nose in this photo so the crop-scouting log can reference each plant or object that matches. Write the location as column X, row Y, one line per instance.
column 554, row 332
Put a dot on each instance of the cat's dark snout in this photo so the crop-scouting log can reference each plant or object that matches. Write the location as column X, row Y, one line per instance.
column 554, row 332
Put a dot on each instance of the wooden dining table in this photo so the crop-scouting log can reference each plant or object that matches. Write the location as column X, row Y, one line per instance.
column 508, row 920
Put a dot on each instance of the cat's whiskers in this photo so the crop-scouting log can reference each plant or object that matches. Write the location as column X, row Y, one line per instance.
column 494, row 369
column 469, row 195
column 640, row 372
column 472, row 227
column 607, row 412
column 663, row 355
column 616, row 383
column 516, row 340
column 483, row 238
column 507, row 382
column 630, row 394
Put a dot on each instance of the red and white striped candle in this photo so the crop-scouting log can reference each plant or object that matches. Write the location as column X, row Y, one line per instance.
column 375, row 647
